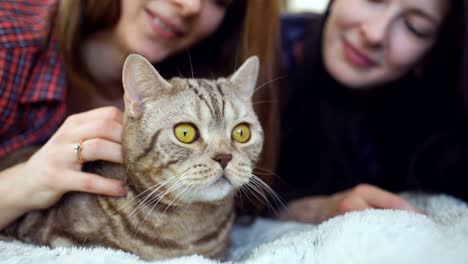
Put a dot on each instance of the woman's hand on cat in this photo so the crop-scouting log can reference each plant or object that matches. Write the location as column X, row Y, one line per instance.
column 56, row 169
column 320, row 208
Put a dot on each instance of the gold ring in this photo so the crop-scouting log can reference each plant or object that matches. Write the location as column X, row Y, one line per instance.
column 78, row 148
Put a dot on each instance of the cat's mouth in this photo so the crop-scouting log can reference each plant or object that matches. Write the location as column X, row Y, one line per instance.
column 217, row 189
column 222, row 179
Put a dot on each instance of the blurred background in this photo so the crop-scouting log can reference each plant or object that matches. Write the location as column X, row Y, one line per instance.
column 295, row 6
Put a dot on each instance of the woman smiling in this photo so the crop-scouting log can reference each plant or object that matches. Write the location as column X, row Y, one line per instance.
column 377, row 103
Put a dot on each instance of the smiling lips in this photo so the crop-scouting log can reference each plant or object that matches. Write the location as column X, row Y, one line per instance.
column 163, row 27
column 356, row 57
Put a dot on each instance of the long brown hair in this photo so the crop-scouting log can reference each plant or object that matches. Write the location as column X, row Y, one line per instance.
column 250, row 27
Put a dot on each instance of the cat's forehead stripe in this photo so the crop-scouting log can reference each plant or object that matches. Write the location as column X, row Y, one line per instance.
column 218, row 86
column 213, row 93
column 202, row 98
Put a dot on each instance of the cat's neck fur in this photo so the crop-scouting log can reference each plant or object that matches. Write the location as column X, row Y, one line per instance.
column 174, row 227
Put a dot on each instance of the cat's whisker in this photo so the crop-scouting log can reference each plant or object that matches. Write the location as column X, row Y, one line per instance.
column 258, row 189
column 175, row 198
column 251, row 195
column 129, row 202
column 244, row 192
column 236, row 59
column 266, row 83
column 195, row 189
column 157, row 187
column 180, row 73
column 136, row 197
column 270, row 191
column 279, row 201
column 172, row 188
column 265, row 170
column 159, row 198
column 265, row 186
column 162, row 184
column 192, row 189
column 268, row 172
column 263, row 102
column 263, row 198
column 250, row 191
column 253, row 187
column 150, row 196
column 239, row 194
column 262, row 173
column 191, row 66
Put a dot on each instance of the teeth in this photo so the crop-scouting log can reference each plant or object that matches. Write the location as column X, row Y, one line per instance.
column 159, row 22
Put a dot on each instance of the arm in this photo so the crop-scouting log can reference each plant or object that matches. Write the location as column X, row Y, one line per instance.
column 317, row 209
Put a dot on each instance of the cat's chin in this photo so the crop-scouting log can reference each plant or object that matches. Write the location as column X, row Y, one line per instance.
column 216, row 191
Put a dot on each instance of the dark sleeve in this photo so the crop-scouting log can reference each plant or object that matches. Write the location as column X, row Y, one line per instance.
column 293, row 32
column 442, row 165
column 297, row 111
column 292, row 35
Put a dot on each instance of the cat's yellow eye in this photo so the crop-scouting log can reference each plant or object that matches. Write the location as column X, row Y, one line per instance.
column 186, row 133
column 241, row 133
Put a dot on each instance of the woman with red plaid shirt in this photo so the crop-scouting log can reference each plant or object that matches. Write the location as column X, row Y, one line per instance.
column 60, row 80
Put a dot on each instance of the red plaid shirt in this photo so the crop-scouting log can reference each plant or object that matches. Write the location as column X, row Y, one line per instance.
column 32, row 77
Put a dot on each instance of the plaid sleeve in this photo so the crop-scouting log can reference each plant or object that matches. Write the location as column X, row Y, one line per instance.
column 14, row 65
column 32, row 79
column 30, row 109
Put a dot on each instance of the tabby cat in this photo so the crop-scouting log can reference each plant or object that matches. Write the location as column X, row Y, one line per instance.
column 189, row 145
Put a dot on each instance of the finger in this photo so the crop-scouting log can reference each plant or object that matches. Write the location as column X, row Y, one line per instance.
column 98, row 129
column 97, row 116
column 379, row 198
column 302, row 210
column 353, row 202
column 101, row 149
column 91, row 183
column 102, row 113
column 95, row 144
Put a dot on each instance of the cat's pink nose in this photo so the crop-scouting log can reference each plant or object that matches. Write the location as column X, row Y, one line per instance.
column 223, row 159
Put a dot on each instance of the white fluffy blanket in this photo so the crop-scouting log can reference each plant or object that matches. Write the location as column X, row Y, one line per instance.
column 373, row 236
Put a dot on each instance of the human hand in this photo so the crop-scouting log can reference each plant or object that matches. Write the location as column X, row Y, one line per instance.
column 56, row 169
column 320, row 208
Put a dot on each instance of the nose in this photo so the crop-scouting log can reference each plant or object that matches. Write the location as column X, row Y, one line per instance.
column 223, row 159
column 188, row 7
column 374, row 31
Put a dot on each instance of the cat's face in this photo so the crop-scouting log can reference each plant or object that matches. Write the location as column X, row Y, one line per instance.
column 201, row 138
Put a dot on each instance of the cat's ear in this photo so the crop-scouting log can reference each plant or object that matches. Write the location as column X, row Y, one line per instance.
column 246, row 76
column 140, row 80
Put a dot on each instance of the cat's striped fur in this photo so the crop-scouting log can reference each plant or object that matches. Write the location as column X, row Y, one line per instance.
column 181, row 200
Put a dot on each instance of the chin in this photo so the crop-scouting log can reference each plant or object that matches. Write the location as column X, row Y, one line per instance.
column 349, row 77
column 153, row 52
column 215, row 192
